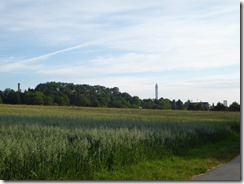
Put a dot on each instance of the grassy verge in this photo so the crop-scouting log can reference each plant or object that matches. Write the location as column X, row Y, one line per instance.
column 181, row 166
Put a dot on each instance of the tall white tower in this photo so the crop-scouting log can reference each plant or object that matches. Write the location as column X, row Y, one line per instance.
column 156, row 91
column 225, row 103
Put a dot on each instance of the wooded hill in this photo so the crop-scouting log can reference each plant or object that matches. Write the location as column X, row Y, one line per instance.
column 65, row 94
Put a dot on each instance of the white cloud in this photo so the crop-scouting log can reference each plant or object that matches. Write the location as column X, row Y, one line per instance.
column 140, row 37
column 13, row 64
column 58, row 22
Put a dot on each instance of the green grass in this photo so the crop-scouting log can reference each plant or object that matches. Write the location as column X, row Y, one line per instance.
column 179, row 167
column 120, row 114
column 72, row 143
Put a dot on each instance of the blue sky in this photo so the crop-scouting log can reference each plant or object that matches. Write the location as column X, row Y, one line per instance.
column 191, row 48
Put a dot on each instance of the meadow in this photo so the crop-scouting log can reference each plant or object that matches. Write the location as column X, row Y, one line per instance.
column 74, row 143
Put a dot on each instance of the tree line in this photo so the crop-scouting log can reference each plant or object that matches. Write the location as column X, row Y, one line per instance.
column 69, row 94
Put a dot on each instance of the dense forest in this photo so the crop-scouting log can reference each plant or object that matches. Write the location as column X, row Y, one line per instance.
column 69, row 94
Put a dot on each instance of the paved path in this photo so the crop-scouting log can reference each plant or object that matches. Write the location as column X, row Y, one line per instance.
column 230, row 171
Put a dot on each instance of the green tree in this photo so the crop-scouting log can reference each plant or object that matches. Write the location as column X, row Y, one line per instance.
column 200, row 107
column 135, row 101
column 83, row 101
column 61, row 99
column 103, row 100
column 48, row 100
column 166, row 104
column 179, row 105
column 148, row 104
column 173, row 105
column 234, row 107
column 186, row 104
column 33, row 98
column 93, row 101
column 38, row 98
column 114, row 91
column 11, row 97
column 219, row 107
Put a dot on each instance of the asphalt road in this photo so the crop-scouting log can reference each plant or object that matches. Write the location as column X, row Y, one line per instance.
column 230, row 171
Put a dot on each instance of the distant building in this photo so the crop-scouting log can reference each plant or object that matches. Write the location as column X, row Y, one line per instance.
column 225, row 103
column 156, row 91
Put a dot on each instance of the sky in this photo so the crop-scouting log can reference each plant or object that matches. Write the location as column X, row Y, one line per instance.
column 190, row 48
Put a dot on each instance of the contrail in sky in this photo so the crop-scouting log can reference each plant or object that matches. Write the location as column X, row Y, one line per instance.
column 46, row 56
column 22, row 63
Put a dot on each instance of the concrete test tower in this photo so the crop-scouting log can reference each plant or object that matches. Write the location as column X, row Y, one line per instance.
column 156, row 91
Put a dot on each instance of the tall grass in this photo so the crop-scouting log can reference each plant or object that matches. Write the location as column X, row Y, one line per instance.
column 73, row 143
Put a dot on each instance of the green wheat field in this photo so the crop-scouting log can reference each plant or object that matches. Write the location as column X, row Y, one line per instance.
column 74, row 143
